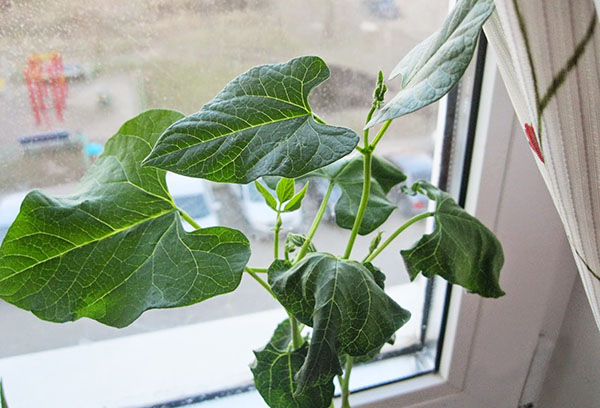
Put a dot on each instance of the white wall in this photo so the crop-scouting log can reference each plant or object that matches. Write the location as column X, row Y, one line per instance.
column 573, row 377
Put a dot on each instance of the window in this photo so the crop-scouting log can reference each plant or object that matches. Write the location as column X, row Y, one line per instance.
column 122, row 57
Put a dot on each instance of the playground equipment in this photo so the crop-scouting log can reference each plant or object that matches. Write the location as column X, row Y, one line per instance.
column 46, row 82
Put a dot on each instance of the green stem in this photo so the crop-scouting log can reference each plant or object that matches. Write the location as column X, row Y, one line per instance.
column 256, row 270
column 380, row 134
column 364, row 200
column 296, row 336
column 261, row 282
column 346, row 382
column 396, row 233
column 277, row 229
column 315, row 224
column 189, row 219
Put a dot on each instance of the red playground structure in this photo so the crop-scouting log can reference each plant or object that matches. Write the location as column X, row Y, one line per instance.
column 46, row 84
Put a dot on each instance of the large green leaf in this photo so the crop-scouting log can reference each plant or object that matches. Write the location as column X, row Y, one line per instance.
column 345, row 306
column 434, row 66
column 117, row 248
column 259, row 125
column 460, row 249
column 348, row 175
column 274, row 371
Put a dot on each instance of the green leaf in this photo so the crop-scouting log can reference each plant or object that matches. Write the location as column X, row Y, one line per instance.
column 434, row 66
column 460, row 249
column 348, row 175
column 3, row 403
column 296, row 200
column 375, row 242
column 285, row 189
column 297, row 240
column 269, row 199
column 345, row 306
column 274, row 371
column 116, row 248
column 259, row 125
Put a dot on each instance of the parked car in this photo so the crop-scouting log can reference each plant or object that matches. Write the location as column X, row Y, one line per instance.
column 259, row 215
column 385, row 9
column 195, row 197
column 416, row 167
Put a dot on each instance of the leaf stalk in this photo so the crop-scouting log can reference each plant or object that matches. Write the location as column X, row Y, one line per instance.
column 403, row 227
column 315, row 224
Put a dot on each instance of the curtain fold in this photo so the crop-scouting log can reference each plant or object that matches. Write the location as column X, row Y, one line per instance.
column 549, row 57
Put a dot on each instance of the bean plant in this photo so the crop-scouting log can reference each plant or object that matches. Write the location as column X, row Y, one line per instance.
column 118, row 247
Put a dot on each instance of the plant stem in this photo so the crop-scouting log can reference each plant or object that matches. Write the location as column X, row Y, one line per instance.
column 315, row 224
column 364, row 200
column 189, row 219
column 277, row 229
column 346, row 382
column 396, row 233
column 256, row 270
column 380, row 134
column 296, row 336
column 261, row 282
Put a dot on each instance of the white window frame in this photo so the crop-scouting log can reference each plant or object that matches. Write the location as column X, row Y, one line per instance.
column 489, row 344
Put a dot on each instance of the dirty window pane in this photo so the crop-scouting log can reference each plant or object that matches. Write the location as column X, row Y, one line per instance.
column 71, row 72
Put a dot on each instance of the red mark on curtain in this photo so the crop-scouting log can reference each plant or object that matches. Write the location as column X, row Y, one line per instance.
column 533, row 141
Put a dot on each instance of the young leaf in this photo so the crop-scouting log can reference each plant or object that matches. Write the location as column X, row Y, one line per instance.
column 342, row 302
column 3, row 403
column 460, row 249
column 285, row 189
column 269, row 199
column 348, row 175
column 259, row 125
column 298, row 240
column 274, row 371
column 296, row 200
column 116, row 248
column 434, row 66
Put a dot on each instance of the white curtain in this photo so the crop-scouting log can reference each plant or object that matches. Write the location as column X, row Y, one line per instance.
column 549, row 57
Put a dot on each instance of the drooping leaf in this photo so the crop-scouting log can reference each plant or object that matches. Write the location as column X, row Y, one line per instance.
column 3, row 403
column 259, row 125
column 434, row 66
column 296, row 201
column 266, row 194
column 285, row 189
column 460, row 249
column 274, row 371
column 345, row 306
column 116, row 248
column 348, row 175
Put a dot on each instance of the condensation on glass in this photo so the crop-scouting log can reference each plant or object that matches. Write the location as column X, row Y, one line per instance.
column 119, row 58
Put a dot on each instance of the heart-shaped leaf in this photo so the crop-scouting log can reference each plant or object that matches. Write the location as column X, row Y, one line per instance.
column 118, row 247
column 274, row 371
column 345, row 306
column 348, row 175
column 460, row 249
column 259, row 125
column 434, row 66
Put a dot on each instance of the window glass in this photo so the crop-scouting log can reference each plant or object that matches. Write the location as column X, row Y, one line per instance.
column 71, row 72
